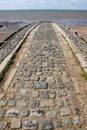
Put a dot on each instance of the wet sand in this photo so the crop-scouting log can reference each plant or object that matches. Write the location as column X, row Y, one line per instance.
column 81, row 30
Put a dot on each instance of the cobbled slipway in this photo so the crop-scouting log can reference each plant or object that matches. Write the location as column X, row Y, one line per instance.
column 40, row 97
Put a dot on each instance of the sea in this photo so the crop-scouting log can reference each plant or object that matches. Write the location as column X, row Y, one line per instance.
column 66, row 17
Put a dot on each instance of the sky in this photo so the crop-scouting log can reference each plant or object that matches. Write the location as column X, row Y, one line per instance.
column 43, row 4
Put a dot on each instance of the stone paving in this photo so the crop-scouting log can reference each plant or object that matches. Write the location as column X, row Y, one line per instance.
column 42, row 95
column 11, row 44
column 79, row 42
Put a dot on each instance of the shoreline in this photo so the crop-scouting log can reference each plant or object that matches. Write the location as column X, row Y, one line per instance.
column 9, row 27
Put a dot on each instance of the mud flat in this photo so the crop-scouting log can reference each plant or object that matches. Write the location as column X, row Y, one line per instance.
column 81, row 30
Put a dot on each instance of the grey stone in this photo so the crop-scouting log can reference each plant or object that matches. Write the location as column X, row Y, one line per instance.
column 35, row 78
column 37, row 85
column 12, row 112
column 52, row 92
column 3, row 124
column 70, row 86
column 35, row 94
column 60, row 103
column 67, row 122
column 15, row 123
column 45, row 94
column 44, row 85
column 25, row 113
column 34, row 103
column 27, row 74
column 30, row 125
column 78, row 120
column 11, row 96
column 33, row 69
column 37, row 113
column 52, row 114
column 58, row 124
column 46, row 125
column 66, row 111
column 72, row 94
column 52, row 86
column 21, row 104
column 61, row 85
column 12, row 104
column 21, row 84
column 1, row 113
column 62, row 93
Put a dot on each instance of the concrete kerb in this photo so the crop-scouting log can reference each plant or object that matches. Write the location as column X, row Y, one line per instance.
column 4, row 63
column 75, row 50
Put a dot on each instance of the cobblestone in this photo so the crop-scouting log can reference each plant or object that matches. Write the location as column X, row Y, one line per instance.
column 3, row 124
column 42, row 95
column 47, row 125
column 25, row 113
column 12, row 112
column 65, row 111
column 15, row 123
column 30, row 125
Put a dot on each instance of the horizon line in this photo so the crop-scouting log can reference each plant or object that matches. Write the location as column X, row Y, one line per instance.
column 44, row 9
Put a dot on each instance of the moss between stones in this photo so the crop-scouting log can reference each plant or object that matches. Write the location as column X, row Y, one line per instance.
column 3, row 72
column 83, row 74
